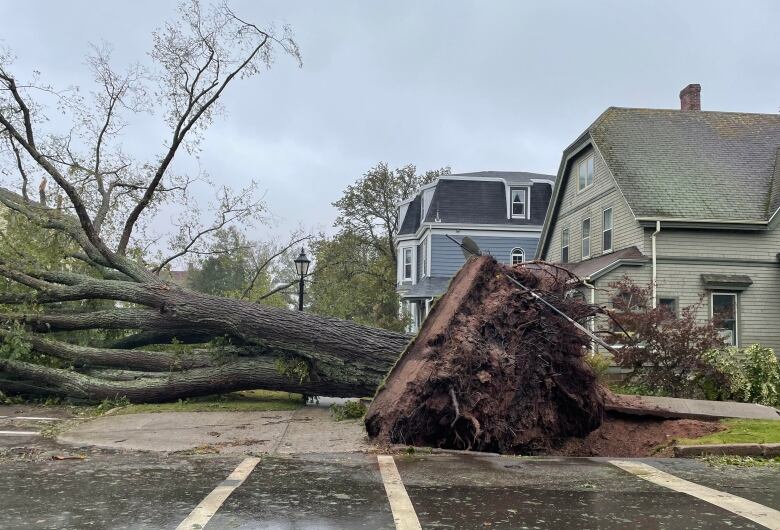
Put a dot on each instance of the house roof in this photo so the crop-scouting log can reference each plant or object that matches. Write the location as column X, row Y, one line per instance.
column 691, row 167
column 598, row 266
column 427, row 287
column 511, row 177
column 478, row 198
column 411, row 220
column 702, row 165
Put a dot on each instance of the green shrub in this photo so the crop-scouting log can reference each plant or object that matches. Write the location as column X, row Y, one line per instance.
column 351, row 410
column 599, row 363
column 750, row 375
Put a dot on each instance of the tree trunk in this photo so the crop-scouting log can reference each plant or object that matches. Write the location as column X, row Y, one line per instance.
column 252, row 347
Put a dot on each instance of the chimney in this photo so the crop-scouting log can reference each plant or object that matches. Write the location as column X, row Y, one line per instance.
column 690, row 97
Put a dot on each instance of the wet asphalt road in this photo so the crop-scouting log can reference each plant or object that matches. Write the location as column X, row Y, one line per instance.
column 147, row 490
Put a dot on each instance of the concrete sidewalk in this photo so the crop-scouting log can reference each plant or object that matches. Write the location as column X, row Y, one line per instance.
column 667, row 407
column 310, row 429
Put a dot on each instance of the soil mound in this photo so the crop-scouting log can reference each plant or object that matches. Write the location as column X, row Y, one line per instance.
column 632, row 436
column 492, row 368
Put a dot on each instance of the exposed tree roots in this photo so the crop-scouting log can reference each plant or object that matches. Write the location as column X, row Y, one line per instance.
column 492, row 369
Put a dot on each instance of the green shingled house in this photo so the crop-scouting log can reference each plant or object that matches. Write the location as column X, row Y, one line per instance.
column 687, row 198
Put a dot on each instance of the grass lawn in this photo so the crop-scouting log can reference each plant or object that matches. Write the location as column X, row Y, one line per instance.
column 249, row 400
column 739, row 431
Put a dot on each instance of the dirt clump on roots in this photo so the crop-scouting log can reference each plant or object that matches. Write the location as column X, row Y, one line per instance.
column 492, row 368
column 633, row 436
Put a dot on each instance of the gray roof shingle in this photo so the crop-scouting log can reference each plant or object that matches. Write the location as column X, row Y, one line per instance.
column 479, row 199
column 692, row 164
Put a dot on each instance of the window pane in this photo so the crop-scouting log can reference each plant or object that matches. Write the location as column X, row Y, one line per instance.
column 590, row 170
column 608, row 219
column 669, row 304
column 565, row 246
column 607, row 240
column 583, row 175
column 518, row 256
column 724, row 313
column 518, row 202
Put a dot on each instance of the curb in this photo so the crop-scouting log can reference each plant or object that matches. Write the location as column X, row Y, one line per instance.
column 691, row 451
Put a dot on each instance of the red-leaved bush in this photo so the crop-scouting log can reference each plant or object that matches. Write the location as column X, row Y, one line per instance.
column 665, row 351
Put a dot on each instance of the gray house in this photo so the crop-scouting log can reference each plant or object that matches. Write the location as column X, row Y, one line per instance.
column 501, row 211
column 683, row 200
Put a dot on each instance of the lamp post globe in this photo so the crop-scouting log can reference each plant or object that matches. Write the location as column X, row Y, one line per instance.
column 302, row 263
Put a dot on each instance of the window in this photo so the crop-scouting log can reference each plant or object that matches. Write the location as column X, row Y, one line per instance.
column 669, row 304
column 724, row 315
column 585, row 173
column 565, row 245
column 407, row 264
column 424, row 250
column 586, row 238
column 519, row 198
column 518, row 256
column 607, row 239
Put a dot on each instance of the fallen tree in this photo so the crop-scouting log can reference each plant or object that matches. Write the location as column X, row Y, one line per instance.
column 492, row 368
column 57, row 315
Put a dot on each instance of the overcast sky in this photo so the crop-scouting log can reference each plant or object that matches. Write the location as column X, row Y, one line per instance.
column 475, row 85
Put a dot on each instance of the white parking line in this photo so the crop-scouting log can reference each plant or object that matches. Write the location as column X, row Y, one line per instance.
column 19, row 433
column 757, row 513
column 203, row 512
column 400, row 503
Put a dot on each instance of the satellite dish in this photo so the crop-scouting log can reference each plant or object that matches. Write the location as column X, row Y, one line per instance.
column 469, row 247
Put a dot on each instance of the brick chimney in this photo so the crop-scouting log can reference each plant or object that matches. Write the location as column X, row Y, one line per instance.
column 690, row 97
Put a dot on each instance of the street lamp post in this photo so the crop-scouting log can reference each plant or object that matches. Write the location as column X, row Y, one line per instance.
column 302, row 268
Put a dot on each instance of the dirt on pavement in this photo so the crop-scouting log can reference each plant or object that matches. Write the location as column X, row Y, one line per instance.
column 633, row 437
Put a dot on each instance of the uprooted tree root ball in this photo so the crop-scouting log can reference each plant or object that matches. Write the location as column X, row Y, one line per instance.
column 493, row 369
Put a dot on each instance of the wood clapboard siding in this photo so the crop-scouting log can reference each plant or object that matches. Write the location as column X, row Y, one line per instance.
column 590, row 203
column 735, row 244
column 447, row 257
column 758, row 307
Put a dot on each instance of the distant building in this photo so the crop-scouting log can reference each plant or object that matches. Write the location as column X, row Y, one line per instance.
column 502, row 211
column 177, row 277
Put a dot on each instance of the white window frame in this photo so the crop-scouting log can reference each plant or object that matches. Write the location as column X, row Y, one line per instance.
column 735, row 295
column 526, row 203
column 517, row 251
column 404, row 277
column 584, row 162
column 584, row 238
column 604, row 230
column 567, row 246
column 425, row 263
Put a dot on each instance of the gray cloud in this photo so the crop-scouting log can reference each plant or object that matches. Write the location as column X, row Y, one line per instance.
column 475, row 85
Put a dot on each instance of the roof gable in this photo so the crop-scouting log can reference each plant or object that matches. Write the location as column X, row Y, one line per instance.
column 691, row 165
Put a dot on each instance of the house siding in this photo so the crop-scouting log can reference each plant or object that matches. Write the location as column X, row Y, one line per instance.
column 447, row 257
column 758, row 307
column 743, row 245
column 590, row 203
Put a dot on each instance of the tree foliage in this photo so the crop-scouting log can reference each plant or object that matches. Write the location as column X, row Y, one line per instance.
column 354, row 282
column 665, row 351
column 356, row 279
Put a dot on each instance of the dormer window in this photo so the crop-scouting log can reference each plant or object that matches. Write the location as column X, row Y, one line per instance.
column 585, row 173
column 519, row 203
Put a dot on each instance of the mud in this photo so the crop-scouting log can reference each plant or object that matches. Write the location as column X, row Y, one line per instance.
column 631, row 436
